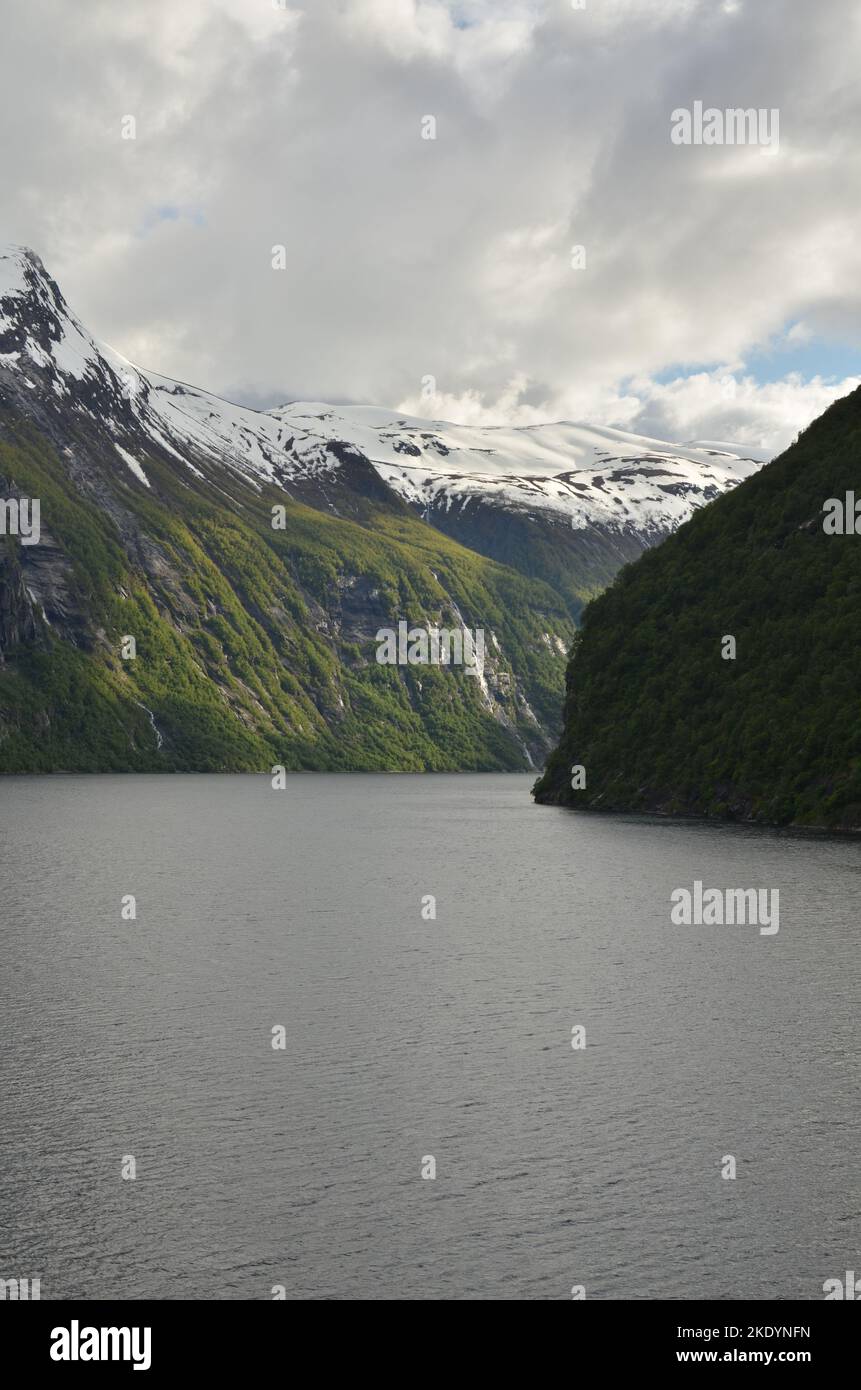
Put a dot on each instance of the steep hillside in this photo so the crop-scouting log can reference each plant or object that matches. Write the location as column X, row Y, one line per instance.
column 254, row 646
column 656, row 715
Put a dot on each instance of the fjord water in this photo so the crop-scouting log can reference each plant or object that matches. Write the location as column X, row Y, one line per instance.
column 406, row 1038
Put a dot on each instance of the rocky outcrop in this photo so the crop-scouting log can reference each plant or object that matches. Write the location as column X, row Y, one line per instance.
column 18, row 621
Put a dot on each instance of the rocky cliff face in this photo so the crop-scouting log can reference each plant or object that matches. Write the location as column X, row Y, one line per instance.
column 18, row 622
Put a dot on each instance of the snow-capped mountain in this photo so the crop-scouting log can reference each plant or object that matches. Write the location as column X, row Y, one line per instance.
column 586, row 474
column 257, row 642
column 613, row 492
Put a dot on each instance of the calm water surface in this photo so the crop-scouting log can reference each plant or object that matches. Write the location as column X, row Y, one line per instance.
column 407, row 1038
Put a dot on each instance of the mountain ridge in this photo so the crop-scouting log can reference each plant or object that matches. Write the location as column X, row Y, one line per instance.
column 157, row 510
column 567, row 503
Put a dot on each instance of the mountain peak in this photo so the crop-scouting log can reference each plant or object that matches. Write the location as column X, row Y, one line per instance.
column 36, row 323
column 22, row 272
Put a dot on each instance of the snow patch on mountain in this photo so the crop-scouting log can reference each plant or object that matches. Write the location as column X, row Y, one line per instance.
column 587, row 475
column 133, row 465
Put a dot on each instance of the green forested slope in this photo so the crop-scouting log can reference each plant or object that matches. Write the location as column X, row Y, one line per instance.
column 661, row 722
column 254, row 646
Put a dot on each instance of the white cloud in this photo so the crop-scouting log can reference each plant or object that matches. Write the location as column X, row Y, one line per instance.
column 722, row 404
column 449, row 257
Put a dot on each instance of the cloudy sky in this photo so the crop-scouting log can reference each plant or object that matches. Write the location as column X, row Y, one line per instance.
column 721, row 294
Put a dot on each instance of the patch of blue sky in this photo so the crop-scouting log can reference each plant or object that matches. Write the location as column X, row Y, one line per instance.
column 171, row 212
column 807, row 357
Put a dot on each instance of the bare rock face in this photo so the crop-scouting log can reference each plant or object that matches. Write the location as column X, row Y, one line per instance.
column 18, row 622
